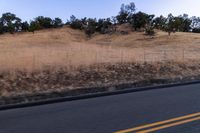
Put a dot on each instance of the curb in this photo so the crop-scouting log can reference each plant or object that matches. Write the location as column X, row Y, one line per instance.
column 93, row 95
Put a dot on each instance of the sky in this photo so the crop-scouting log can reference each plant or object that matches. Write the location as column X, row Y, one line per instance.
column 29, row 9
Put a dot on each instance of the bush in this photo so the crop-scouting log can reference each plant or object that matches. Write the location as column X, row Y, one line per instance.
column 104, row 26
column 196, row 30
column 57, row 22
column 140, row 20
column 90, row 27
column 149, row 31
column 75, row 23
column 34, row 26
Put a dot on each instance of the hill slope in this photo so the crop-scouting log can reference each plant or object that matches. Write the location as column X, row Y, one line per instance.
column 61, row 60
column 68, row 47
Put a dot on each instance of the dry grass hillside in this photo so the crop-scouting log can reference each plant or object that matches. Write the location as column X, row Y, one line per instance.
column 63, row 59
column 71, row 48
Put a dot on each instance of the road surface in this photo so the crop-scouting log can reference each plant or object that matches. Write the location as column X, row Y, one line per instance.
column 169, row 110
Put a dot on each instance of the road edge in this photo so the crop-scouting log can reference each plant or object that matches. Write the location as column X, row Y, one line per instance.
column 93, row 95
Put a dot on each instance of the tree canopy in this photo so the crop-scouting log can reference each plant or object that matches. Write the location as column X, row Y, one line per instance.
column 139, row 21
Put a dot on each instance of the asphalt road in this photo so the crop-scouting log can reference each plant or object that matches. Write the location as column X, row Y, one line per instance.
column 112, row 113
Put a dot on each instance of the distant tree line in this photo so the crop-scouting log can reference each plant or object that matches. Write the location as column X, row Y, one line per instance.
column 11, row 23
column 139, row 21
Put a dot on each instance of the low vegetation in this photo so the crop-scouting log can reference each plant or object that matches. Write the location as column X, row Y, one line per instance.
column 60, row 79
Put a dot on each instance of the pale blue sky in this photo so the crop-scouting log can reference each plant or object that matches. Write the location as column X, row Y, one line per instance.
column 29, row 9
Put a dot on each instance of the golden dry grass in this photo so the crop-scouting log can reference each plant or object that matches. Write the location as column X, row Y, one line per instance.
column 71, row 48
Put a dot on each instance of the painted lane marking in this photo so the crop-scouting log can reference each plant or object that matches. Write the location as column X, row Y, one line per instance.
column 170, row 125
column 161, row 123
